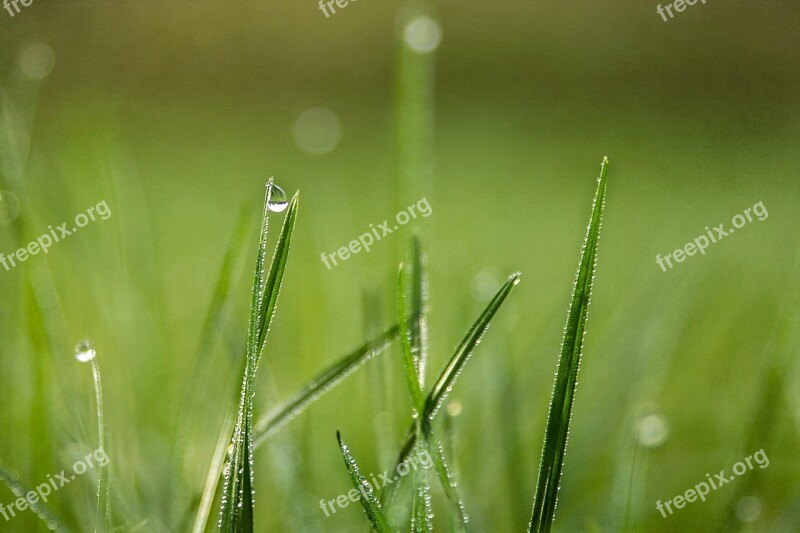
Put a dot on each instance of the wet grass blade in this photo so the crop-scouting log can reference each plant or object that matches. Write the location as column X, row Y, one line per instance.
column 450, row 374
column 365, row 495
column 561, row 403
column 236, row 506
column 409, row 364
column 447, row 478
column 448, row 377
column 412, row 346
column 321, row 384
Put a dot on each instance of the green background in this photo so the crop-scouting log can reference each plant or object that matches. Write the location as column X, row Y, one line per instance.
column 176, row 115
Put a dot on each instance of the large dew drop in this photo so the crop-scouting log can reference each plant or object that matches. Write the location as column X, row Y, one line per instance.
column 84, row 352
column 278, row 200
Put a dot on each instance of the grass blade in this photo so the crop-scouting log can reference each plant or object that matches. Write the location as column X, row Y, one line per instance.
column 561, row 403
column 451, row 372
column 236, row 506
column 321, row 384
column 447, row 478
column 410, row 365
column 448, row 377
column 365, row 495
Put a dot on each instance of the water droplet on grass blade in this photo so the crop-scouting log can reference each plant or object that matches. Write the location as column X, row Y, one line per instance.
column 84, row 352
column 278, row 200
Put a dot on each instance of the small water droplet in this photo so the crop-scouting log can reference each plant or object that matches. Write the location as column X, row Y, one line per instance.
column 9, row 208
column 84, row 352
column 278, row 200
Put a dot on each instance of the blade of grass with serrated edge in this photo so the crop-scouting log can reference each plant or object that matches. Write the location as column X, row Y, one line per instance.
column 451, row 372
column 53, row 522
column 561, row 403
column 236, row 506
column 365, row 495
column 321, row 384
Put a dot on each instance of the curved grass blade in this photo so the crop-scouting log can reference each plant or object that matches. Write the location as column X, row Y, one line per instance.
column 321, row 384
column 236, row 506
column 365, row 495
column 53, row 522
column 561, row 403
column 451, row 372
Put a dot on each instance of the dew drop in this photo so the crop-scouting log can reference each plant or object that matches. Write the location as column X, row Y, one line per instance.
column 278, row 200
column 84, row 352
column 9, row 208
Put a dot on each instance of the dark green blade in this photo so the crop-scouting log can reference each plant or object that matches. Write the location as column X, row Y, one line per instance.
column 236, row 506
column 561, row 403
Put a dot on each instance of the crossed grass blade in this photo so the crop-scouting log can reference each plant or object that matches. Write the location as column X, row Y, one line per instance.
column 449, row 375
column 561, row 403
column 321, row 384
column 369, row 502
column 236, row 505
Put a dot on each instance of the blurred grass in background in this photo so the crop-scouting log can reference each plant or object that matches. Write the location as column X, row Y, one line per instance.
column 177, row 114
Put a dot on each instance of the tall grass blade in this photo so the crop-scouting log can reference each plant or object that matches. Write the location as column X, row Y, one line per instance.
column 53, row 522
column 365, row 495
column 421, row 511
column 236, row 506
column 561, row 402
column 321, row 384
